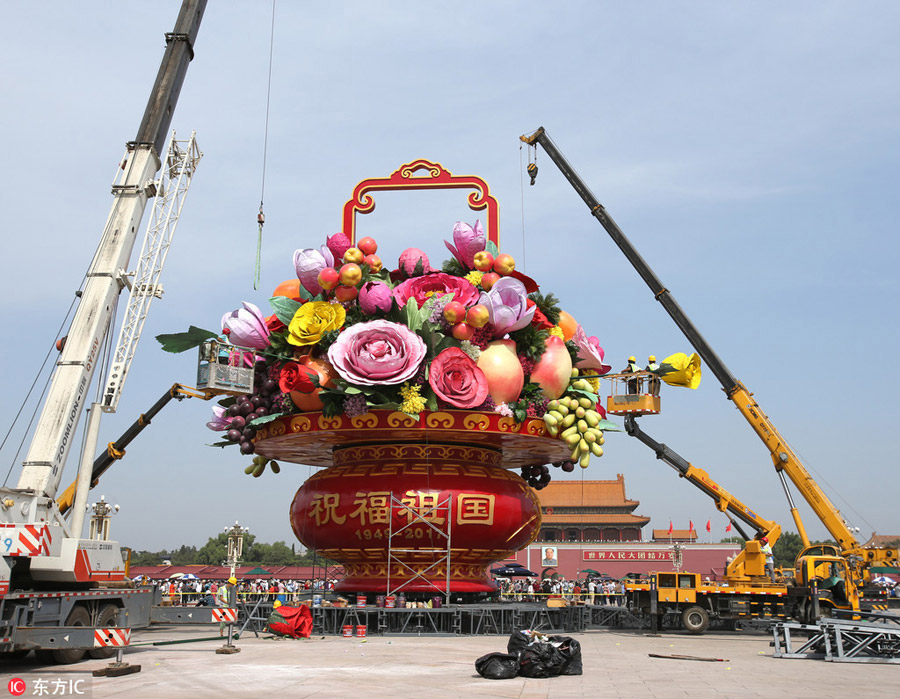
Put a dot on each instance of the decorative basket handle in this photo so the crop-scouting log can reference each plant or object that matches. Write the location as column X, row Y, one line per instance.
column 436, row 177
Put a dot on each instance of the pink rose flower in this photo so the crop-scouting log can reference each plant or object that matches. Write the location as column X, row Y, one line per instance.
column 375, row 296
column 377, row 352
column 246, row 327
column 468, row 241
column 589, row 352
column 456, row 379
column 435, row 284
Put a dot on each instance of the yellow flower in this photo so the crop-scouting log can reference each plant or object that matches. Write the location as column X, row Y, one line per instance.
column 556, row 330
column 474, row 277
column 413, row 402
column 312, row 320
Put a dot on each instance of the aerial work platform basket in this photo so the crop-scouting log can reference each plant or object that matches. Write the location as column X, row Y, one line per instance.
column 633, row 393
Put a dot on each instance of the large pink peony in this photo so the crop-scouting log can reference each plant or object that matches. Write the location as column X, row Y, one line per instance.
column 589, row 352
column 457, row 380
column 377, row 352
column 435, row 284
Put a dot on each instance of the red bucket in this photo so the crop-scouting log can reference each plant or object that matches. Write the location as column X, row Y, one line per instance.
column 360, row 631
column 360, row 600
column 389, row 602
column 348, row 631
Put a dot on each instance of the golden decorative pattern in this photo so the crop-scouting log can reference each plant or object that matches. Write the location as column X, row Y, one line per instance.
column 398, row 419
column 364, row 420
column 300, row 423
column 476, row 422
column 439, row 420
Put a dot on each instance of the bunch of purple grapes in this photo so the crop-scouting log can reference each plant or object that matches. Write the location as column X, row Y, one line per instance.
column 249, row 407
column 539, row 476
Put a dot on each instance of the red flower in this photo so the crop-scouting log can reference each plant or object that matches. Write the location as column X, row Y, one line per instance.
column 457, row 380
column 294, row 377
column 273, row 324
column 540, row 320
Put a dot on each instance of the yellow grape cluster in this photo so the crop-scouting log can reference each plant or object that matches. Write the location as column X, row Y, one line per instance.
column 573, row 419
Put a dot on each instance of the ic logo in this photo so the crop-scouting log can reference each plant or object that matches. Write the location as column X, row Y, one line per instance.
column 17, row 686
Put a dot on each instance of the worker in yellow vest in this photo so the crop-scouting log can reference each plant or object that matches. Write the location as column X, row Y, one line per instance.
column 224, row 599
column 653, row 368
column 632, row 368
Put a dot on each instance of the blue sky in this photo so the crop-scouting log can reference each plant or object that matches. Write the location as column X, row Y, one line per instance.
column 750, row 152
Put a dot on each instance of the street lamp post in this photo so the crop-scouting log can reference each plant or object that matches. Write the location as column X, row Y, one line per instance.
column 101, row 513
column 235, row 544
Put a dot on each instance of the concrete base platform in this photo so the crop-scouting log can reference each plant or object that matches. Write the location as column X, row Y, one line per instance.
column 616, row 664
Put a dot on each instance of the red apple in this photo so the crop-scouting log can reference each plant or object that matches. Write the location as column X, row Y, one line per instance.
column 346, row 293
column 484, row 261
column 454, row 312
column 503, row 370
column 554, row 368
column 488, row 279
column 504, row 264
column 478, row 316
column 351, row 274
column 368, row 246
column 374, row 262
column 462, row 331
column 328, row 278
column 354, row 255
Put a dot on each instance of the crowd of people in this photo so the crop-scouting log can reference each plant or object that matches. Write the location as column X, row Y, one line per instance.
column 591, row 590
column 193, row 591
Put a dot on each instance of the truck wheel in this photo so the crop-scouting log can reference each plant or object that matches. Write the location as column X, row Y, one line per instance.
column 77, row 617
column 695, row 619
column 107, row 617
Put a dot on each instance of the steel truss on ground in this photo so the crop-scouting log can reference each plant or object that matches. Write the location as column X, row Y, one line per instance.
column 840, row 640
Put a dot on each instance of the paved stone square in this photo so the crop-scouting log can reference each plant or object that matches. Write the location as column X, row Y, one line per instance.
column 616, row 664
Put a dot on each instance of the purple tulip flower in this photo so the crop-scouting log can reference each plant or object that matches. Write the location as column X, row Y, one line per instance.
column 468, row 241
column 589, row 352
column 220, row 421
column 507, row 304
column 246, row 327
column 308, row 263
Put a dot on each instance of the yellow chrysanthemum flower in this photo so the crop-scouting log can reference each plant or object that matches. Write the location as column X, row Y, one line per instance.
column 474, row 277
column 556, row 330
column 413, row 402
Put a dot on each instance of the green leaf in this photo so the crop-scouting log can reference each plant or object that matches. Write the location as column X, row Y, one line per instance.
column 492, row 248
column 181, row 342
column 590, row 395
column 608, row 426
column 285, row 308
column 262, row 420
column 412, row 316
column 223, row 444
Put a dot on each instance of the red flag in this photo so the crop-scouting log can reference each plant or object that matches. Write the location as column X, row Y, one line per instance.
column 692, row 526
column 670, row 527
column 728, row 528
column 709, row 525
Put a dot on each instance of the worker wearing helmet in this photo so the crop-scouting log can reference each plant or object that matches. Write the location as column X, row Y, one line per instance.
column 632, row 368
column 226, row 597
column 653, row 368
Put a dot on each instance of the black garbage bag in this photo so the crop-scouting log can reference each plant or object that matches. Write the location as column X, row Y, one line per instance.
column 497, row 666
column 571, row 650
column 518, row 641
column 541, row 659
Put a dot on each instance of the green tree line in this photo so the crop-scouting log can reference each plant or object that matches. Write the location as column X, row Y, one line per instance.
column 215, row 552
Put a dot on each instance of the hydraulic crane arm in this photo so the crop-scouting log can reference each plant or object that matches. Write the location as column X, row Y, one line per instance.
column 61, row 413
column 725, row 501
column 783, row 457
column 116, row 450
